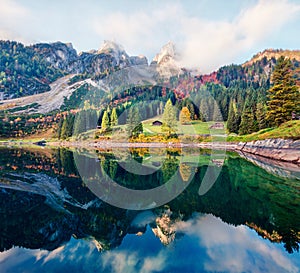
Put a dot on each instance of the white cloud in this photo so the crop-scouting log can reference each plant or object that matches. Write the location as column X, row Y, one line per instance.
column 12, row 16
column 139, row 31
column 204, row 43
column 125, row 261
column 235, row 249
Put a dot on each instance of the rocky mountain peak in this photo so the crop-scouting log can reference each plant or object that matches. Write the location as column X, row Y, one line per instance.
column 113, row 48
column 167, row 61
column 58, row 54
column 166, row 53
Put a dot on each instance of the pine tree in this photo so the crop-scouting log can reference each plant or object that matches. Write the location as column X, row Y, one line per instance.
column 67, row 127
column 185, row 116
column 247, row 125
column 233, row 120
column 204, row 109
column 191, row 108
column 283, row 95
column 216, row 115
column 114, row 117
column 134, row 124
column 80, row 123
column 59, row 126
column 261, row 110
column 105, row 121
column 169, row 118
column 63, row 134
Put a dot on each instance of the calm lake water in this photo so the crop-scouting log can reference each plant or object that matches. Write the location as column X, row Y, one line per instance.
column 57, row 212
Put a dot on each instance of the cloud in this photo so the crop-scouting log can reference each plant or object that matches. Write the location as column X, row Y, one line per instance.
column 235, row 249
column 12, row 16
column 207, row 37
column 204, row 43
column 125, row 261
column 208, row 245
column 139, row 31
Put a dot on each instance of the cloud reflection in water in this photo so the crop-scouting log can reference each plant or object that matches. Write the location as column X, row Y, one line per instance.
column 207, row 245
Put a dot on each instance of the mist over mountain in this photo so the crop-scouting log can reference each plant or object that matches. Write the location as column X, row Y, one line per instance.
column 28, row 70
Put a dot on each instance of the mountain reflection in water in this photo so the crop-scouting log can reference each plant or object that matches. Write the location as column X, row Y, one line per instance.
column 50, row 219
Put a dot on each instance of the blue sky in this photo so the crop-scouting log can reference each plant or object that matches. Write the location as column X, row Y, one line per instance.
column 207, row 33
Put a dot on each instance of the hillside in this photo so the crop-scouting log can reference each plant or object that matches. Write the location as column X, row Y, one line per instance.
column 64, row 83
column 274, row 53
column 29, row 70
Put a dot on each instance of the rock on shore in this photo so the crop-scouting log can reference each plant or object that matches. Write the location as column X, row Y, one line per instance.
column 278, row 149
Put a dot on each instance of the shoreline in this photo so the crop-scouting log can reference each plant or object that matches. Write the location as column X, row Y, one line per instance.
column 276, row 149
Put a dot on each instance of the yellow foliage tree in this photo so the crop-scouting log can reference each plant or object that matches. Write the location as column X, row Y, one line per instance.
column 185, row 116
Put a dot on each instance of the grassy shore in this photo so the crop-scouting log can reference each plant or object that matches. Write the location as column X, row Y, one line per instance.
column 287, row 130
column 152, row 134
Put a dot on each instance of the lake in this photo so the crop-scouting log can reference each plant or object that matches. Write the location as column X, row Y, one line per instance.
column 147, row 210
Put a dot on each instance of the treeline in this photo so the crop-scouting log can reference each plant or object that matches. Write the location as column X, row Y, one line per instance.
column 270, row 107
column 12, row 125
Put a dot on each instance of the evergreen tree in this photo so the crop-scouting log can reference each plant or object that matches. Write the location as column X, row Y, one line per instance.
column 70, row 126
column 216, row 115
column 185, row 116
column 59, row 126
column 204, row 110
column 247, row 125
column 100, row 116
column 283, row 95
column 233, row 118
column 169, row 118
column 63, row 134
column 80, row 123
column 114, row 118
column 105, row 121
column 261, row 110
column 67, row 127
column 134, row 124
column 190, row 107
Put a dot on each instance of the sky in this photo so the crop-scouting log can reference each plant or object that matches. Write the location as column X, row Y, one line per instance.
column 207, row 33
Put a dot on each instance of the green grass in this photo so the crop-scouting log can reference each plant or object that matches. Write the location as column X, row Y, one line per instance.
column 193, row 133
column 196, row 131
column 196, row 127
column 287, row 130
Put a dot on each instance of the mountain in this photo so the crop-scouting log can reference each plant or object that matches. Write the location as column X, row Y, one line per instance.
column 120, row 56
column 110, row 78
column 23, row 71
column 257, row 70
column 269, row 54
column 167, row 61
column 59, row 55
column 29, row 70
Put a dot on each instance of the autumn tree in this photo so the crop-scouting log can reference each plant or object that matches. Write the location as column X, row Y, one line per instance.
column 283, row 95
column 185, row 116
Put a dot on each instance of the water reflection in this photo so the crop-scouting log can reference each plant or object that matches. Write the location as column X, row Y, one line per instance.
column 45, row 205
column 206, row 244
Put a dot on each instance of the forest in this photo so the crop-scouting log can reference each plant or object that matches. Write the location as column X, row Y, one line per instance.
column 248, row 97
